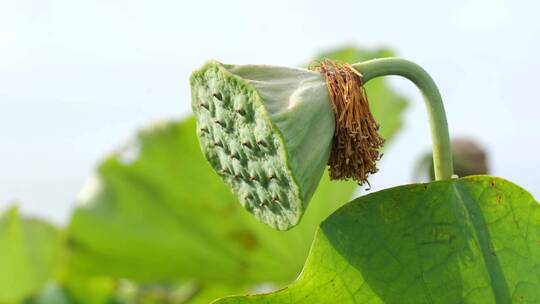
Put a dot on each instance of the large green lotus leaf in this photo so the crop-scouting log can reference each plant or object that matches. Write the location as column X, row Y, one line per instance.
column 470, row 240
column 382, row 99
column 29, row 251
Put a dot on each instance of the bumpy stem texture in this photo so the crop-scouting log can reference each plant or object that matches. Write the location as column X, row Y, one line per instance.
column 442, row 152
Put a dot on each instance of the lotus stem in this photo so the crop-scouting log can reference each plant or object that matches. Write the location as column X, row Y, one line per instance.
column 442, row 152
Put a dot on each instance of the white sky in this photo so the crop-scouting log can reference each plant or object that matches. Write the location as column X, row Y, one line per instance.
column 78, row 77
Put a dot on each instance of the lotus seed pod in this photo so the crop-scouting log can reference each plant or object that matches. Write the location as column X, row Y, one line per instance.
column 268, row 132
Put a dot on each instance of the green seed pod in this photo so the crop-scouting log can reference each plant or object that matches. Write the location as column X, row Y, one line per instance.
column 268, row 132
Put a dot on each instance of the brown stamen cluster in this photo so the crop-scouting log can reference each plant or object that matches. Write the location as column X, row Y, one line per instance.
column 356, row 144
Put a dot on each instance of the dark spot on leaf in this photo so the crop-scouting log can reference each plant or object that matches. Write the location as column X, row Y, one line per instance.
column 71, row 243
column 230, row 208
column 243, row 267
column 246, row 239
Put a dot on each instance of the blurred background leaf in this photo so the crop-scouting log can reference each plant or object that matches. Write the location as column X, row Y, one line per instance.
column 29, row 252
column 156, row 214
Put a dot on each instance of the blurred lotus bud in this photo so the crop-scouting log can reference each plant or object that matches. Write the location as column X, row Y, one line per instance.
column 469, row 159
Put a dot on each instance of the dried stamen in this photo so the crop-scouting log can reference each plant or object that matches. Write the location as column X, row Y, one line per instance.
column 356, row 144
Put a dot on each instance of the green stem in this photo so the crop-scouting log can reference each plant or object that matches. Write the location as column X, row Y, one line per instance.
column 442, row 152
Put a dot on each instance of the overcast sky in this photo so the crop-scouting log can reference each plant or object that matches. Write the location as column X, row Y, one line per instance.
column 77, row 78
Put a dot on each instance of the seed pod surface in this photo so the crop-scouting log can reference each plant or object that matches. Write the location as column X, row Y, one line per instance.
column 267, row 131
